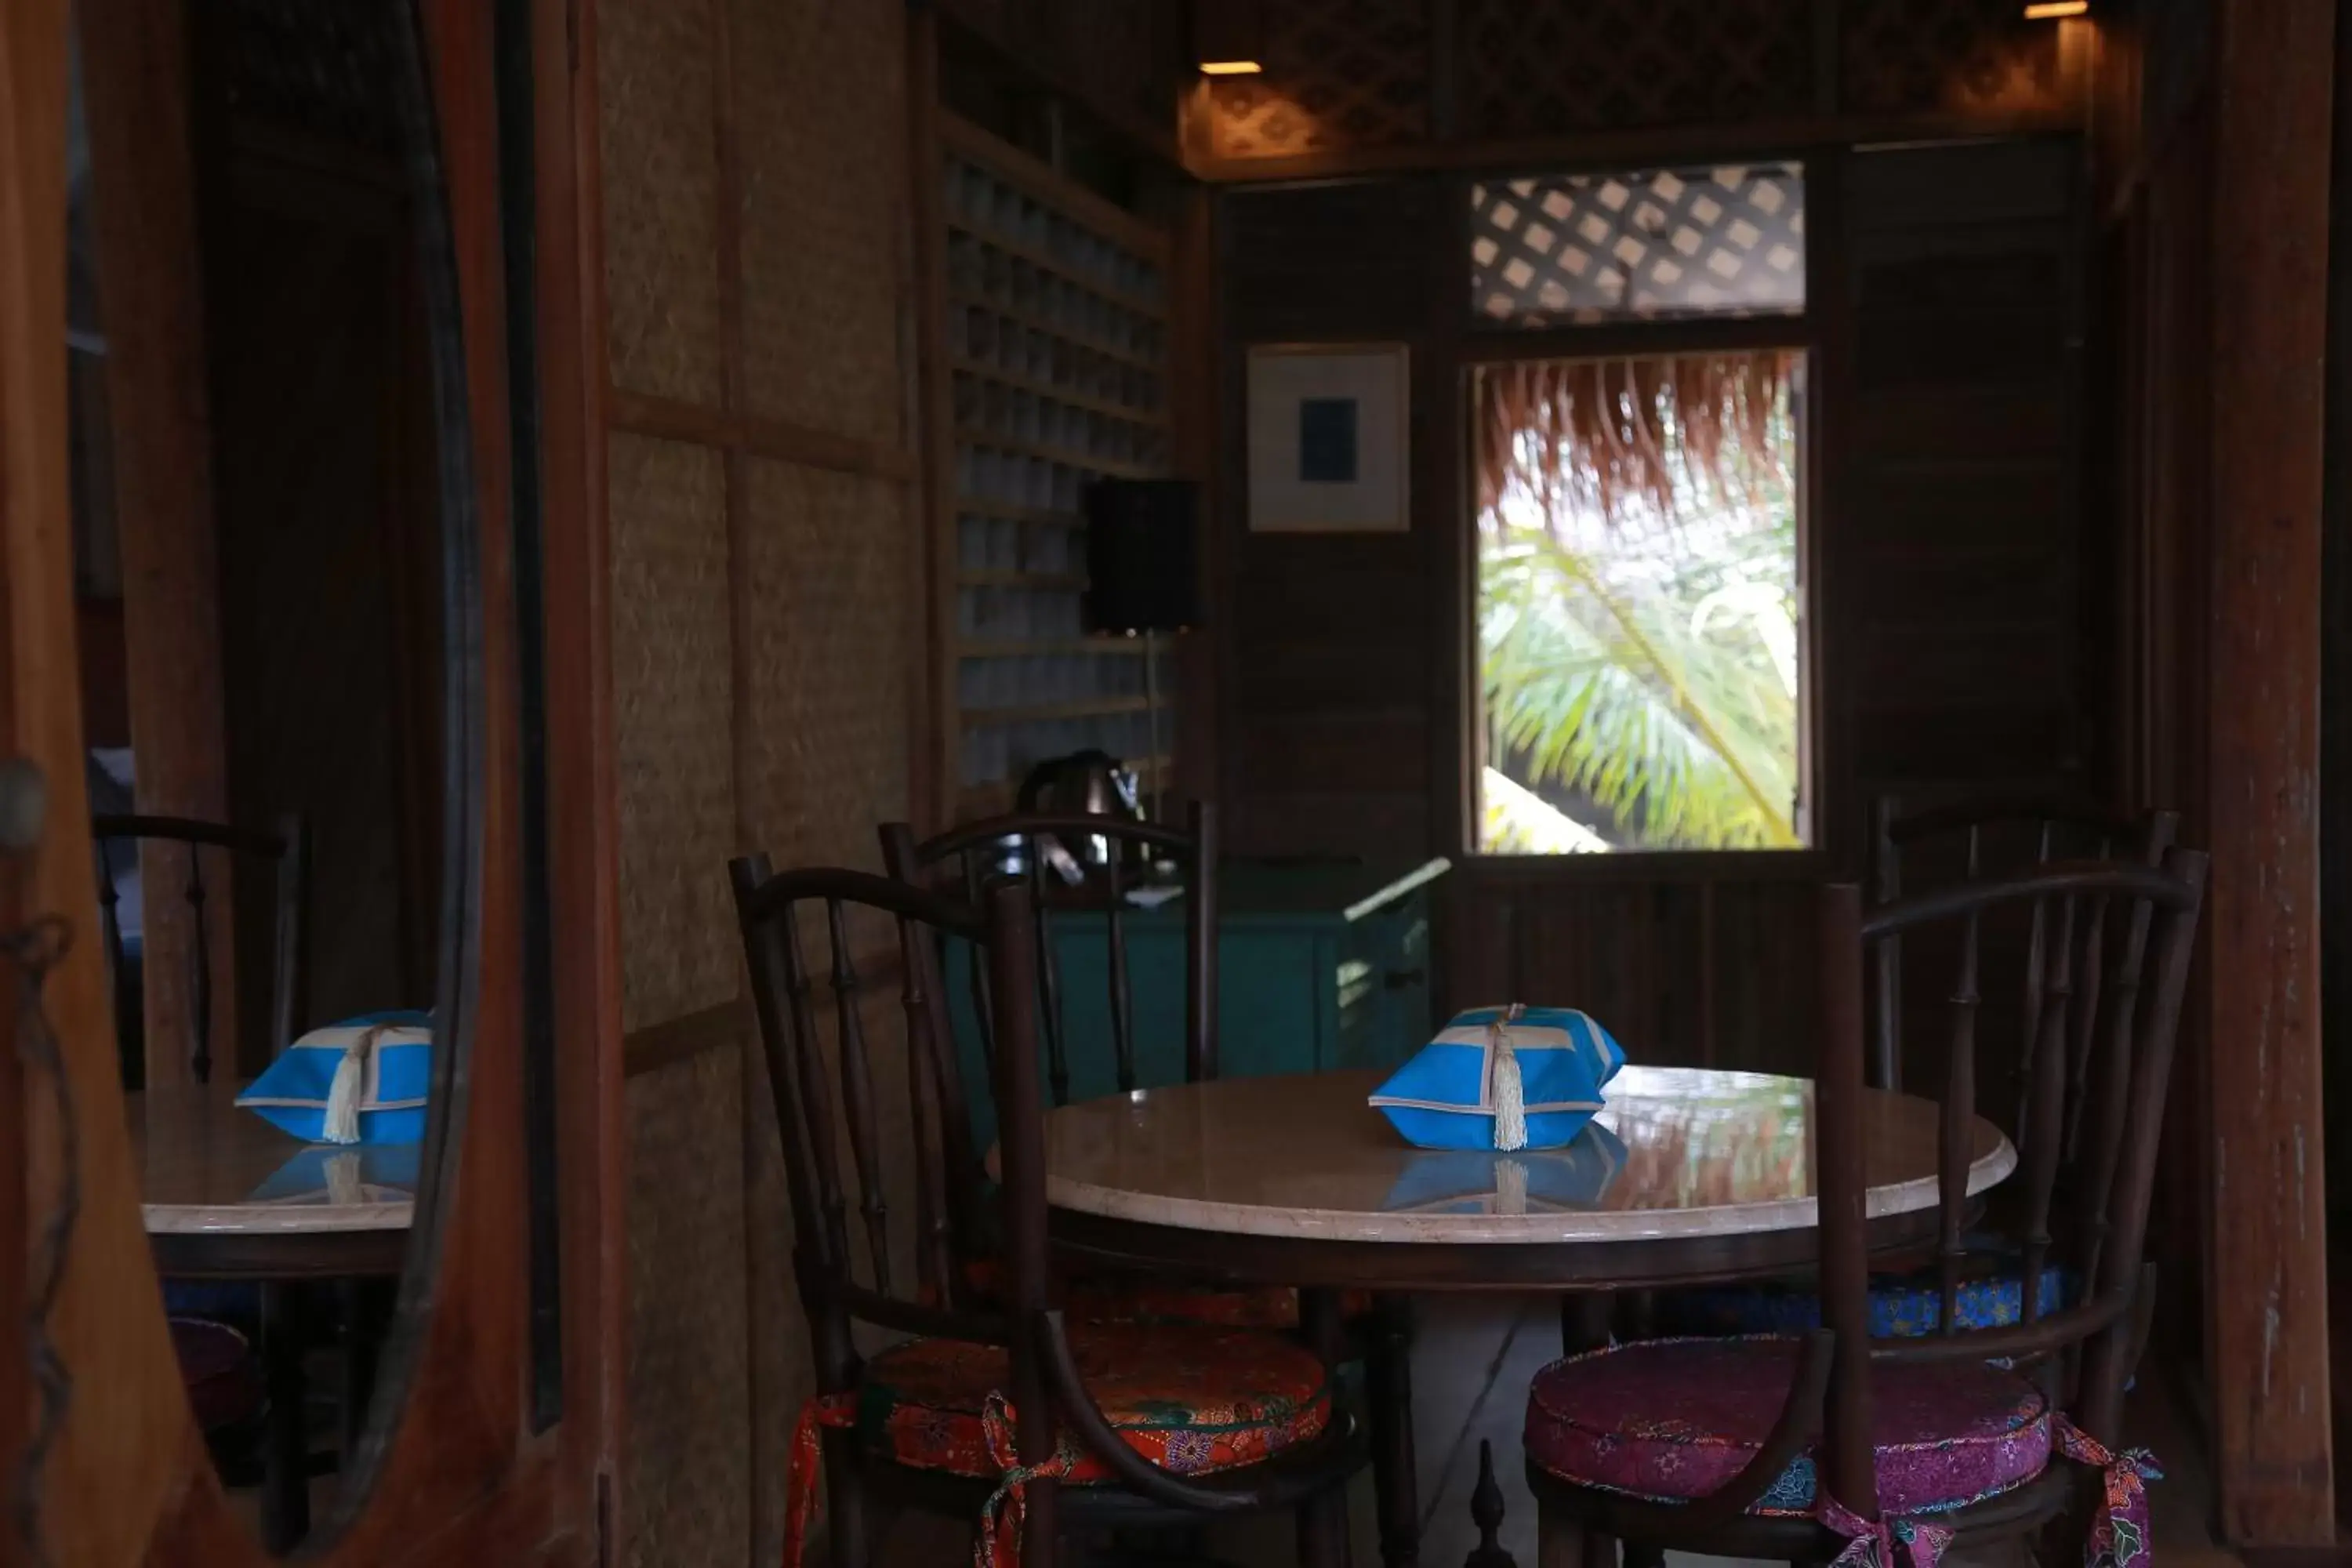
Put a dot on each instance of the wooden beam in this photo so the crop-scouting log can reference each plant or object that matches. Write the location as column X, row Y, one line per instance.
column 139, row 108
column 668, row 420
column 1789, row 137
column 2268, row 1286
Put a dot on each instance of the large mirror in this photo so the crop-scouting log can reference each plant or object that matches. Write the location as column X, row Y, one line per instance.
column 275, row 581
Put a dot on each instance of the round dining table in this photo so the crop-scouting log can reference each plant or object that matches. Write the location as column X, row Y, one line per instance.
column 226, row 1196
column 1688, row 1176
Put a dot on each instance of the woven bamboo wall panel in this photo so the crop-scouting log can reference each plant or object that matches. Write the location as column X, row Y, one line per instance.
column 661, row 197
column 672, row 700
column 1533, row 69
column 1338, row 73
column 822, row 122
column 688, row 1484
column 1916, row 55
column 830, row 561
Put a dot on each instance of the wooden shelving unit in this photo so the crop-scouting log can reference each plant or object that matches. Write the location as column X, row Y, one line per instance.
column 1047, row 371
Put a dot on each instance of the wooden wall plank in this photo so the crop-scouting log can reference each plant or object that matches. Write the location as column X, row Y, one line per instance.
column 142, row 174
column 2268, row 1310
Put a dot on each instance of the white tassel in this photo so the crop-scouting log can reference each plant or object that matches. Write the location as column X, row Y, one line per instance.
column 1510, row 1187
column 344, row 1189
column 1510, row 1096
column 351, row 1080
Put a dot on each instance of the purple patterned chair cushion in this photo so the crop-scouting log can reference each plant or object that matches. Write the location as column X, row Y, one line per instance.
column 1674, row 1419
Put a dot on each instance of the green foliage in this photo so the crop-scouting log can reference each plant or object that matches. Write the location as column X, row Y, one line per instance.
column 1654, row 670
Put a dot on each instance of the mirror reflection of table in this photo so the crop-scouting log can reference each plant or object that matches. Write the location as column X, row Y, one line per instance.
column 226, row 1196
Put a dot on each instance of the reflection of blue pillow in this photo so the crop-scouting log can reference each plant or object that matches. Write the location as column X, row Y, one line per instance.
column 1480, row 1180
column 375, row 1173
column 363, row 1080
column 1449, row 1094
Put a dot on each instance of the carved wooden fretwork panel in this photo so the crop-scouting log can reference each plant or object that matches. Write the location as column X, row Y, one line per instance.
column 1904, row 56
column 1542, row 69
column 1338, row 73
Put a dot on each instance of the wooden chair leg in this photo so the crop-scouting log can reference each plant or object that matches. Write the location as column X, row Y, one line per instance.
column 1323, row 1530
column 847, row 1530
column 286, row 1440
column 1388, row 1377
column 1560, row 1539
column 1041, row 1534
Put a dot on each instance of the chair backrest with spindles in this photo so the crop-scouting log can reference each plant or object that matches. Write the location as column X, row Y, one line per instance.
column 962, row 857
column 2097, row 1227
column 825, row 1092
column 190, row 842
column 1974, row 839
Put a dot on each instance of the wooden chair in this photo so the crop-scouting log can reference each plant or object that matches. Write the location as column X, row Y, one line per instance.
column 1381, row 1328
column 2062, row 945
column 1907, row 1437
column 285, row 851
column 1000, row 1407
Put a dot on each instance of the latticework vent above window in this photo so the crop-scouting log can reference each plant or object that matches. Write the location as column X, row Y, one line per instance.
column 1646, row 246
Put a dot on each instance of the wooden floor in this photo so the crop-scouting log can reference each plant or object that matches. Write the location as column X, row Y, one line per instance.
column 1472, row 1363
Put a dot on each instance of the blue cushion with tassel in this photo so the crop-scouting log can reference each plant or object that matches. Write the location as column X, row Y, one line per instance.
column 363, row 1080
column 1503, row 1077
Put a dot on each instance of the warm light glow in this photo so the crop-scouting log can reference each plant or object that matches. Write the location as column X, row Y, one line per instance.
column 1242, row 67
column 2050, row 10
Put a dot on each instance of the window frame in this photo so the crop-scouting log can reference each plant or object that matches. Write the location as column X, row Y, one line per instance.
column 1481, row 343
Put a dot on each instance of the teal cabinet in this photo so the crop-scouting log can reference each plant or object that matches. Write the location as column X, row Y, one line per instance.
column 1319, row 966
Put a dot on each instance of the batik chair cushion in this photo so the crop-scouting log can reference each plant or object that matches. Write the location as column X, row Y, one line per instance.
column 1193, row 1401
column 1671, row 1420
column 1902, row 1306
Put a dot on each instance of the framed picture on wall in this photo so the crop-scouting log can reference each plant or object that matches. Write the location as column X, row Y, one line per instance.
column 1327, row 427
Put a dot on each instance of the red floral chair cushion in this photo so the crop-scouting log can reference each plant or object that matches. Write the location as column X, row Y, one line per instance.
column 1674, row 1419
column 1192, row 1400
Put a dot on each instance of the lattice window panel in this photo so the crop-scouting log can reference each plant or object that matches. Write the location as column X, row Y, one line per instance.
column 1531, row 69
column 1338, row 73
column 1909, row 56
column 1654, row 245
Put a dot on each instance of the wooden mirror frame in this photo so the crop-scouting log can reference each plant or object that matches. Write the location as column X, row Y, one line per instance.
column 462, row 1470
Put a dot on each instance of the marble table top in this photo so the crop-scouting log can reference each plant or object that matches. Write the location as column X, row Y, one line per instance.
column 207, row 1168
column 1679, row 1153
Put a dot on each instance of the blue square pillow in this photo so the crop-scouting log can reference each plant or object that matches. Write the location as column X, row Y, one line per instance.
column 1503, row 1077
column 363, row 1080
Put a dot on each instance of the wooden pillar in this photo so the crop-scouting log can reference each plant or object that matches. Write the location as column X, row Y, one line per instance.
column 2267, row 1287
column 137, row 92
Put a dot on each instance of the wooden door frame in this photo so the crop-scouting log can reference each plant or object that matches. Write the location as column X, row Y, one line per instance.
column 462, row 1476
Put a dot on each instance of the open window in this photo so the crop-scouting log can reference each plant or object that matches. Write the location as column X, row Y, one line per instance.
column 1639, row 612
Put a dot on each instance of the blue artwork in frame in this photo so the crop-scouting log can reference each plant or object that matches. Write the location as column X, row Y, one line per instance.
column 1326, row 440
